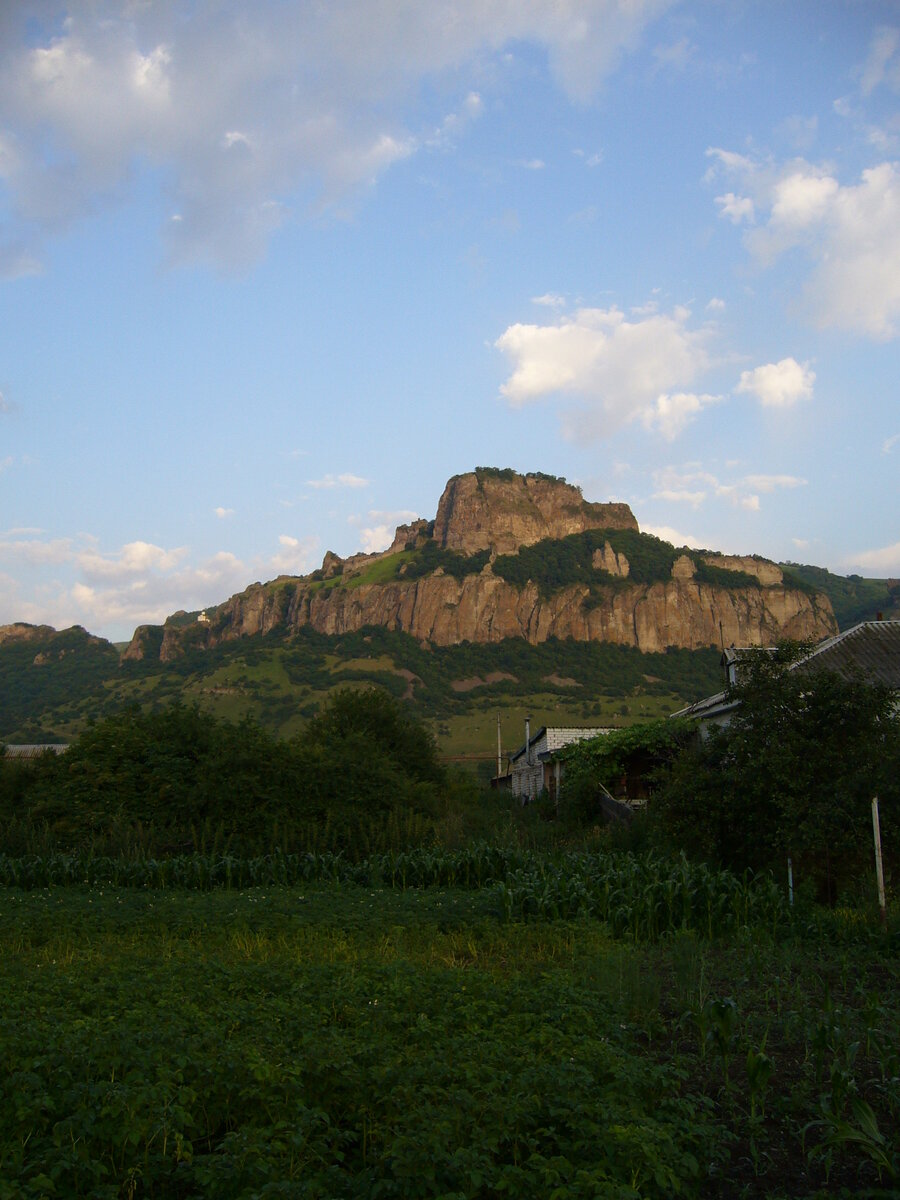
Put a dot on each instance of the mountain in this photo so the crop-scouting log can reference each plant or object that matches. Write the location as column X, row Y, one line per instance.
column 518, row 556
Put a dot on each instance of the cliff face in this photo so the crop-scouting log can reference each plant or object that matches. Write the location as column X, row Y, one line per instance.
column 484, row 608
column 499, row 512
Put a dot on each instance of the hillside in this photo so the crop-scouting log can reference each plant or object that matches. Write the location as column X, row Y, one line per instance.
column 852, row 597
column 518, row 556
column 519, row 598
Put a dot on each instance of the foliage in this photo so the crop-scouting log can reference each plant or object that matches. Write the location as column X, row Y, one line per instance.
column 793, row 773
column 364, row 759
column 347, row 1040
column 556, row 563
column 431, row 556
column 46, row 671
column 853, row 598
column 647, row 749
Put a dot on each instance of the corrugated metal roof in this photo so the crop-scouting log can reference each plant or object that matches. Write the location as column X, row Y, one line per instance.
column 34, row 749
column 869, row 652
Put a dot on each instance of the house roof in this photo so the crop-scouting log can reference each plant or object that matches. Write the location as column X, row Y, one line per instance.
column 34, row 750
column 869, row 652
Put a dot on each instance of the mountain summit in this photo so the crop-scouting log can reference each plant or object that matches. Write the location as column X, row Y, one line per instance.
column 519, row 556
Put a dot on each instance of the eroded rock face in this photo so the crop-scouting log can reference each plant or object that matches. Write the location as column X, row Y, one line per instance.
column 608, row 560
column 501, row 511
column 766, row 572
column 443, row 610
column 22, row 632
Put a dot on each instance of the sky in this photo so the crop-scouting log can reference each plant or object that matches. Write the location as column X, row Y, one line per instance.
column 272, row 272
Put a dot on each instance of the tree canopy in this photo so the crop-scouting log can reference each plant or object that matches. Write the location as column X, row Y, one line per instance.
column 793, row 773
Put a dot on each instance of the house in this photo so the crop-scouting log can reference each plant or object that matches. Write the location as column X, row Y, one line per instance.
column 869, row 652
column 536, row 767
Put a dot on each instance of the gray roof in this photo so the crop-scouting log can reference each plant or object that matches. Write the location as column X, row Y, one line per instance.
column 869, row 652
column 34, row 749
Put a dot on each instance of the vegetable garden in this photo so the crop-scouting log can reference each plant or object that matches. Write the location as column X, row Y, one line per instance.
column 477, row 1023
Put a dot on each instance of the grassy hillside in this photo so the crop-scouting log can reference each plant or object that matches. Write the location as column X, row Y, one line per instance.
column 281, row 682
column 853, row 598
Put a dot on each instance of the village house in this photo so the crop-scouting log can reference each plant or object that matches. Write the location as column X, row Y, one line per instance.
column 869, row 652
column 536, row 766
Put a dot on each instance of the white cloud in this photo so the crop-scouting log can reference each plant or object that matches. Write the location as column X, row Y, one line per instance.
column 222, row 513
column 669, row 415
column 296, row 556
column 779, row 385
column 376, row 538
column 668, row 534
column 333, row 481
column 6, row 406
column 619, row 370
column 549, row 300
column 716, row 305
column 885, row 561
column 883, row 63
column 531, row 164
column 253, row 111
column 736, row 208
column 6, row 463
column 890, row 443
column 850, row 233
column 134, row 559
column 35, row 551
column 692, row 484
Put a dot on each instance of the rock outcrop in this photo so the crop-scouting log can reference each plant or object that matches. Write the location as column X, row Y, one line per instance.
column 499, row 512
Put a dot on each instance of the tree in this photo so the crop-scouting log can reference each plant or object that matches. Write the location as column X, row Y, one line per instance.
column 792, row 774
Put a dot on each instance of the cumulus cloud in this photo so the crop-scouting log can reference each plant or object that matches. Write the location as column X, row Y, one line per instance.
column 296, row 556
column 222, row 513
column 890, row 443
column 549, row 300
column 345, row 480
column 778, row 385
column 619, row 370
column 692, row 484
column 253, row 112
column 377, row 529
column 850, row 233
column 668, row 534
column 884, row 561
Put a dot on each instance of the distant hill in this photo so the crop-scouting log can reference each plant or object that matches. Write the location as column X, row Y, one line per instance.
column 852, row 597
column 518, row 598
column 518, row 556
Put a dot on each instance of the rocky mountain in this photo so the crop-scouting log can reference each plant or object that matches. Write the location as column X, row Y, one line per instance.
column 518, row 556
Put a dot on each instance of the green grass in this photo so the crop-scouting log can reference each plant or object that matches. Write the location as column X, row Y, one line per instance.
column 350, row 1041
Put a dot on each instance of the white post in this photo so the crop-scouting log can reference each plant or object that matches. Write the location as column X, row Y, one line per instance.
column 879, row 866
column 790, row 882
column 499, row 751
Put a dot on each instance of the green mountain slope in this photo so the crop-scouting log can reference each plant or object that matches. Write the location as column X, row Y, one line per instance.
column 853, row 598
column 280, row 682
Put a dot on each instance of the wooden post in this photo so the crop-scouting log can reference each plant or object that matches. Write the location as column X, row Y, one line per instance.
column 879, row 865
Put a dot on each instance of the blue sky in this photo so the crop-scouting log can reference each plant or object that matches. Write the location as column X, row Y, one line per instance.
column 270, row 273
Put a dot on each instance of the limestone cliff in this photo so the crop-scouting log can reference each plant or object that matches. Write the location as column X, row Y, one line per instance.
column 488, row 513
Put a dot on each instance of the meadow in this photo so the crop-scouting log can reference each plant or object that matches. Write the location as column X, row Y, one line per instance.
column 432, row 1024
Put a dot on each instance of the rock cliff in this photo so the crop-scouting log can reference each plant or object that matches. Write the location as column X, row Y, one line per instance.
column 500, row 511
column 487, row 513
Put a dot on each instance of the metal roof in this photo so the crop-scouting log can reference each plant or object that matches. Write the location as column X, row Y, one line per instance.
column 34, row 749
column 869, row 652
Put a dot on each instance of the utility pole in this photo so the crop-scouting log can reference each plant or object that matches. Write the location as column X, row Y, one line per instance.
column 499, row 751
column 879, row 865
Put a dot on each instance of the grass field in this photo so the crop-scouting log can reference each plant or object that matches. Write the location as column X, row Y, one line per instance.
column 342, row 1040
